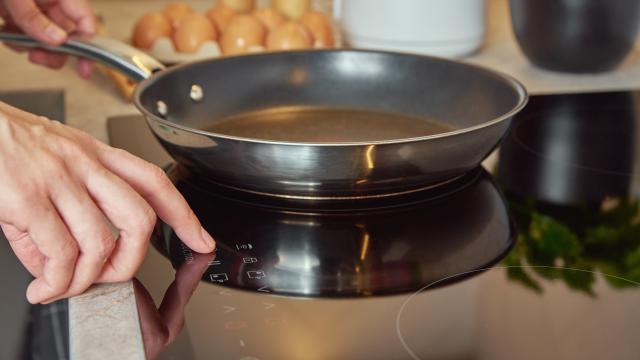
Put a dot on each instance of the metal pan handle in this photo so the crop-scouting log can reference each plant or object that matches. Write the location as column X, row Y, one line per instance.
column 132, row 62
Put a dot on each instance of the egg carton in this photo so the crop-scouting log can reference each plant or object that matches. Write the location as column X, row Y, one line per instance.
column 164, row 51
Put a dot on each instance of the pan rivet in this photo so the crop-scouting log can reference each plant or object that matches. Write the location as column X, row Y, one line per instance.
column 162, row 108
column 196, row 93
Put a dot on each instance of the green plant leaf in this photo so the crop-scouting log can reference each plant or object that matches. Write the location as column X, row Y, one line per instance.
column 553, row 238
column 519, row 275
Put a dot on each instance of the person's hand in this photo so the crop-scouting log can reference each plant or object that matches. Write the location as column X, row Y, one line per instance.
column 61, row 191
column 50, row 22
column 160, row 327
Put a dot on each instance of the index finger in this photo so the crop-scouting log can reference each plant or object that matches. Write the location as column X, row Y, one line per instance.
column 154, row 186
column 28, row 16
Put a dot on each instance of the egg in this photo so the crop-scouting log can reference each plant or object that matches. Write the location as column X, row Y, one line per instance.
column 195, row 30
column 149, row 28
column 293, row 9
column 220, row 16
column 176, row 12
column 269, row 17
column 320, row 28
column 241, row 6
column 242, row 33
column 289, row 36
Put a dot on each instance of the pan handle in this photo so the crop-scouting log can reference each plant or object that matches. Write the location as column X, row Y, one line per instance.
column 132, row 62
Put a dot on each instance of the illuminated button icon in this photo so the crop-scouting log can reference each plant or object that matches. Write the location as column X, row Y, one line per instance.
column 244, row 246
column 249, row 260
column 214, row 262
column 219, row 277
column 259, row 274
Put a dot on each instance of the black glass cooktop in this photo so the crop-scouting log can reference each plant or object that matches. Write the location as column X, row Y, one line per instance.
column 372, row 251
column 535, row 258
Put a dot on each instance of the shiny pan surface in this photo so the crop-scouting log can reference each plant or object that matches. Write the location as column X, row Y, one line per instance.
column 183, row 102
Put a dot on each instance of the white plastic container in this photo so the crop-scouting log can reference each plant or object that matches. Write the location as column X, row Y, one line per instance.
column 448, row 28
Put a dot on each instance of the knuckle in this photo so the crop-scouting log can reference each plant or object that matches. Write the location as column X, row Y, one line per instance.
column 141, row 225
column 70, row 148
column 102, row 248
column 39, row 130
column 30, row 16
column 43, row 119
column 158, row 177
column 81, row 136
column 145, row 223
column 67, row 250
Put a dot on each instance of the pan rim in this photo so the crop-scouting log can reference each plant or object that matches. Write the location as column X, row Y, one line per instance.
column 523, row 99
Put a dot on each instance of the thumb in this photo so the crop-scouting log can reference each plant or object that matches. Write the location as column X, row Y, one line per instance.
column 30, row 18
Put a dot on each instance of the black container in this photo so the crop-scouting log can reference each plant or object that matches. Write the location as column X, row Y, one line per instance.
column 576, row 35
column 572, row 149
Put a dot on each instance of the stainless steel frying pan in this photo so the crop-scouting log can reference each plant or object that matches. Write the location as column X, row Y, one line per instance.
column 182, row 102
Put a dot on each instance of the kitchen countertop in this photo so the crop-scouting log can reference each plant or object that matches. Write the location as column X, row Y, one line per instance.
column 89, row 103
column 501, row 52
column 103, row 322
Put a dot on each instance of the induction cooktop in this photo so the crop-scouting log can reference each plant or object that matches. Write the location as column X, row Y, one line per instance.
column 537, row 258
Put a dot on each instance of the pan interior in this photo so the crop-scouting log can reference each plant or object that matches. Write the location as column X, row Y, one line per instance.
column 326, row 124
column 405, row 96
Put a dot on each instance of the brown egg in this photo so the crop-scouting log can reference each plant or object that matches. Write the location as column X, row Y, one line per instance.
column 193, row 32
column 241, row 6
column 242, row 33
column 320, row 28
column 289, row 36
column 176, row 12
column 149, row 28
column 269, row 17
column 220, row 16
column 293, row 9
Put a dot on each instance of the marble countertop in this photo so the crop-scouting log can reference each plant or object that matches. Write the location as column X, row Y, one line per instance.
column 103, row 322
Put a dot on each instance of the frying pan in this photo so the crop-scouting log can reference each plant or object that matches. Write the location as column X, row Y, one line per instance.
column 180, row 103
